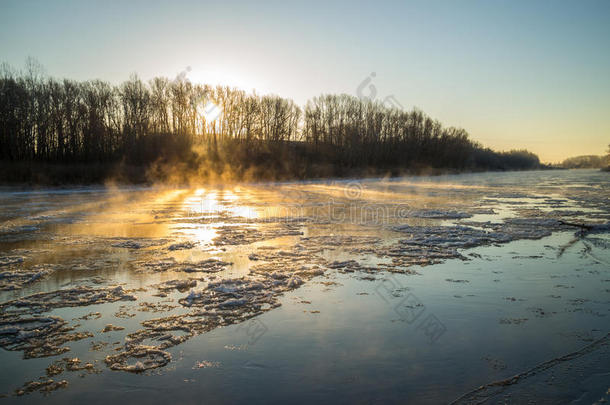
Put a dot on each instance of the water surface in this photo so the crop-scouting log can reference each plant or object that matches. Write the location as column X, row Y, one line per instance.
column 379, row 290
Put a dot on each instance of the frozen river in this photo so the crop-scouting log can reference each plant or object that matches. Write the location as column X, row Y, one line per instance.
column 417, row 290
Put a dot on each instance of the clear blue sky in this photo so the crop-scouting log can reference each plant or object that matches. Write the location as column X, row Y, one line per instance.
column 523, row 74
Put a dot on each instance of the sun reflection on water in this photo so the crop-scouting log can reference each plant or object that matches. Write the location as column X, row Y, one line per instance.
column 214, row 203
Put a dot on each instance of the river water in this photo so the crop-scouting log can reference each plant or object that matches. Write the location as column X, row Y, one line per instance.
column 413, row 289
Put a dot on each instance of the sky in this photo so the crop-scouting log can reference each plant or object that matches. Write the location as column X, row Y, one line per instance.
column 514, row 74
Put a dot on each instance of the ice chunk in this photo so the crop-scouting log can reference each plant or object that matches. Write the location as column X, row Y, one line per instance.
column 294, row 282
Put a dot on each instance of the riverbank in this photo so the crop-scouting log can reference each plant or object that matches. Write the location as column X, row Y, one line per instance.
column 58, row 174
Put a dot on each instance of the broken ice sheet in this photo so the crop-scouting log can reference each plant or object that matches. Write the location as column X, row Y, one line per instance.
column 23, row 327
column 201, row 272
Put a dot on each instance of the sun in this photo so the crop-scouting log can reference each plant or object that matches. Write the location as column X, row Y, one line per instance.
column 210, row 111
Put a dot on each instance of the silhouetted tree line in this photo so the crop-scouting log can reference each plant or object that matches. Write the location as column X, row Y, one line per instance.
column 49, row 120
column 369, row 133
column 586, row 162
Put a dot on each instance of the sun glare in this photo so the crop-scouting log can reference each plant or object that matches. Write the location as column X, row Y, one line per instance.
column 210, row 111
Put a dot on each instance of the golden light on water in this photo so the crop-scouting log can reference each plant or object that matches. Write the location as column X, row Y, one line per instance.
column 197, row 233
column 217, row 203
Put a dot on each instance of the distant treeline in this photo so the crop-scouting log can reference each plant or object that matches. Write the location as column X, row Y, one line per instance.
column 586, row 162
column 64, row 121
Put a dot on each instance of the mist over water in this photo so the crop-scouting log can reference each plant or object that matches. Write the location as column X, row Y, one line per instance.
column 411, row 289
